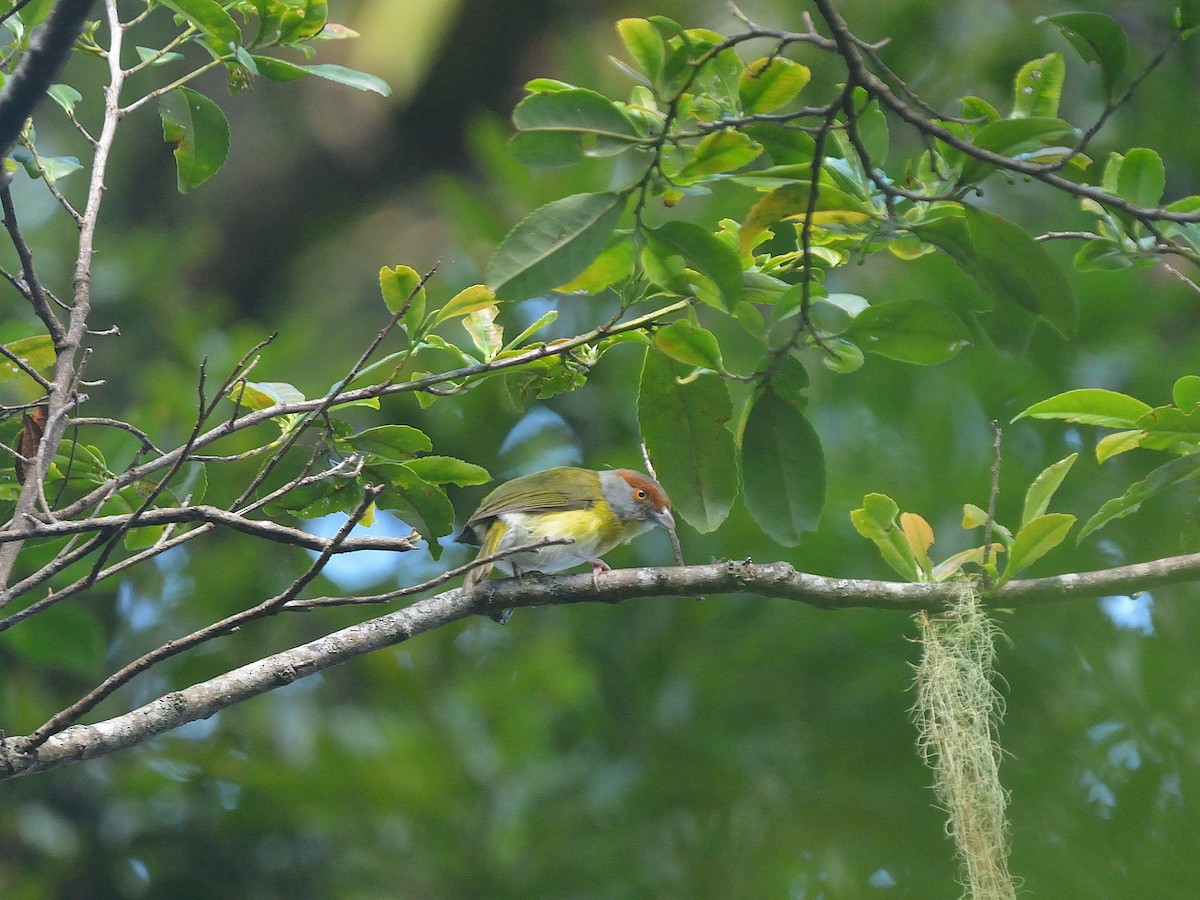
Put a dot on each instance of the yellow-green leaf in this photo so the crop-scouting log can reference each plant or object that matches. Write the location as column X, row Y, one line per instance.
column 37, row 352
column 465, row 302
column 769, row 83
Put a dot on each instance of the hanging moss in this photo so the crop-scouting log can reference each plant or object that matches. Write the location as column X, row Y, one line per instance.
column 957, row 713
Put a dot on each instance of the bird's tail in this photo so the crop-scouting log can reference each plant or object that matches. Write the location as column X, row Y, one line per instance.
column 491, row 543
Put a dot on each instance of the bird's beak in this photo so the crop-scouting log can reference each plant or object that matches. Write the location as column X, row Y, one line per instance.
column 664, row 518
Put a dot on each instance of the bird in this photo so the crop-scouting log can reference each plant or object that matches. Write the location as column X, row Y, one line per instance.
column 598, row 510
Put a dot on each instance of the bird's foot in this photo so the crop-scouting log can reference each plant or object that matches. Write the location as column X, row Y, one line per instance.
column 598, row 566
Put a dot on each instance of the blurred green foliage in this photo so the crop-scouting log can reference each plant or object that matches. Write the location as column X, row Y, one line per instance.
column 732, row 748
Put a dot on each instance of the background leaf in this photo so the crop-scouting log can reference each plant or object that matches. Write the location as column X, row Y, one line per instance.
column 1096, row 38
column 1091, row 406
column 553, row 245
column 1041, row 492
column 1039, row 87
column 915, row 331
column 771, row 82
column 1035, row 539
column 200, row 133
column 783, row 468
column 685, row 427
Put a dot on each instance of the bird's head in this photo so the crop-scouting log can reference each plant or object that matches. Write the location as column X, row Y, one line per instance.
column 636, row 499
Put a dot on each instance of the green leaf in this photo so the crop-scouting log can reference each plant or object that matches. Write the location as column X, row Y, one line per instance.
column 68, row 636
column 973, row 516
column 690, row 344
column 553, row 244
column 1010, row 137
column 65, row 96
column 160, row 59
column 1186, row 393
column 316, row 13
column 610, row 268
column 1090, row 406
column 1102, row 255
column 1035, row 539
column 485, row 334
column 210, row 17
column 278, row 69
column 1167, row 426
column 833, row 206
column 360, row 81
column 685, row 429
column 789, row 379
column 395, row 442
column 34, row 13
column 721, row 151
column 465, row 302
column 1187, row 17
column 422, row 505
column 549, row 317
column 977, row 108
column 684, row 245
column 1096, row 38
column 1041, row 492
column 1166, row 475
column 876, row 521
column 397, row 286
column 197, row 128
column 769, row 83
column 1141, row 178
column 52, row 168
column 559, row 128
column 909, row 330
column 256, row 395
column 1018, row 268
column 783, row 469
column 644, row 44
column 873, row 132
column 842, row 356
column 448, row 470
column 1118, row 442
column 786, row 145
column 1038, row 88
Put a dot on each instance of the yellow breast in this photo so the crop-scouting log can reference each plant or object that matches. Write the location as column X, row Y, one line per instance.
column 593, row 531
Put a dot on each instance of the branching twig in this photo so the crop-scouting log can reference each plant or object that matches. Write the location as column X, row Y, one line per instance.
column 173, row 648
column 34, row 290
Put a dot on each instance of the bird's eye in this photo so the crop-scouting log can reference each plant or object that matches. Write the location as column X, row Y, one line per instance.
column 639, row 494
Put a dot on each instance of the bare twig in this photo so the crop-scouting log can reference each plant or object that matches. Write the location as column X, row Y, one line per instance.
column 373, row 391
column 34, row 290
column 448, row 575
column 173, row 648
column 993, row 494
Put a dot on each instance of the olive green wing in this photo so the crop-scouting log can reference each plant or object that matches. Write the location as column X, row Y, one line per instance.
column 572, row 488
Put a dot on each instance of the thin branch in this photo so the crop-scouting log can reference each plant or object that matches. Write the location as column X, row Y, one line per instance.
column 49, row 182
column 993, row 495
column 779, row 580
column 68, row 344
column 449, row 575
column 330, row 400
column 147, row 444
column 177, row 83
column 225, row 626
column 847, row 48
column 373, row 391
column 36, row 293
column 263, row 528
column 26, row 368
